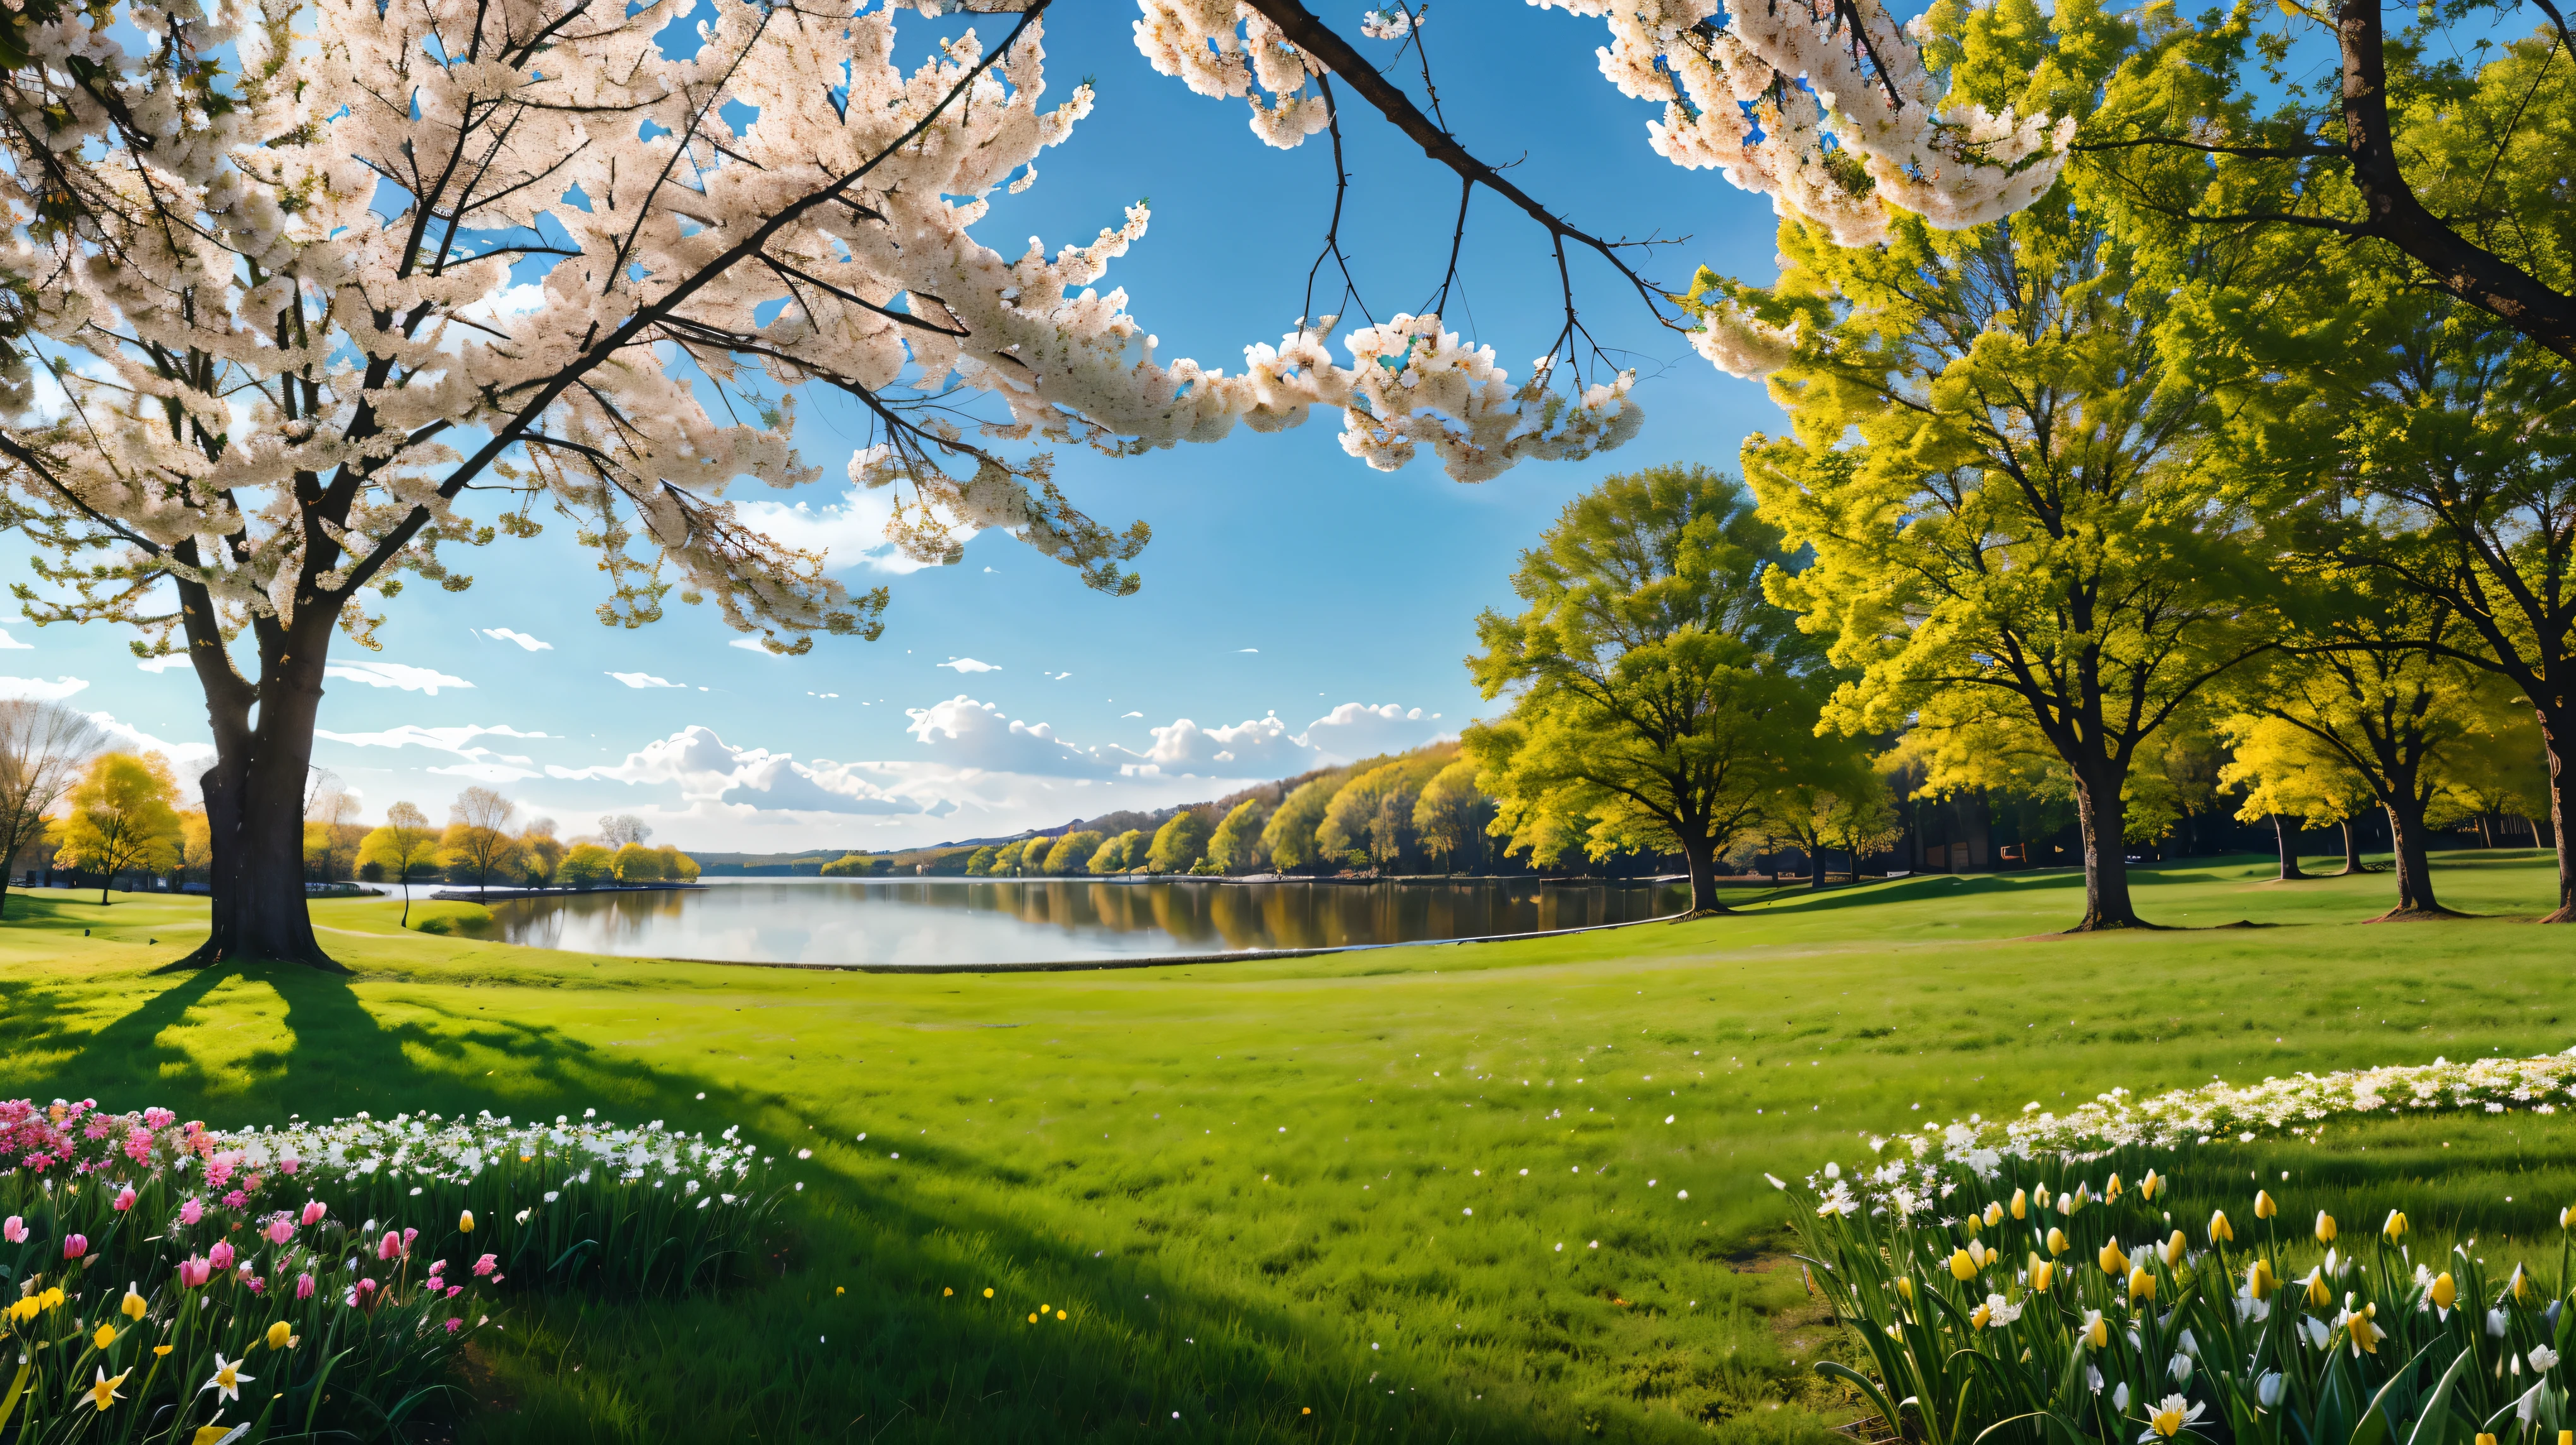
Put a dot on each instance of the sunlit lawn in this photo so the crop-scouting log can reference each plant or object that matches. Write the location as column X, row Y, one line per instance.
column 1336, row 1185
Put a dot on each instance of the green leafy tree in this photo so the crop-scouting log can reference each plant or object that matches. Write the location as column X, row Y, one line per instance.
column 1289, row 836
column 119, row 818
column 1371, row 818
column 1071, row 853
column 404, row 849
column 635, row 863
column 1235, row 847
column 1450, row 816
column 587, row 866
column 1121, row 853
column 1180, row 843
column 985, row 863
column 1659, row 698
column 677, row 867
column 2005, row 491
column 1861, row 819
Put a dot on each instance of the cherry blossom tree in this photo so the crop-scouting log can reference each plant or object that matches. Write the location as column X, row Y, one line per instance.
column 286, row 280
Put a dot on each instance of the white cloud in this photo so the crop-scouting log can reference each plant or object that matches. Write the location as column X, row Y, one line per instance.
column 1355, row 730
column 968, row 664
column 486, row 772
column 1247, row 649
column 706, row 768
column 645, row 679
column 39, row 689
column 850, row 532
column 164, row 662
column 965, row 733
column 751, row 644
column 447, row 740
column 393, row 674
column 183, row 756
column 527, row 643
column 1131, row 714
column 11, row 644
column 1261, row 747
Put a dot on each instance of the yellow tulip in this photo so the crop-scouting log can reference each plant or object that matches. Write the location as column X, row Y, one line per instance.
column 1970, row 1224
column 105, row 1337
column 465, row 1221
column 2021, row 1204
column 2039, row 1195
column 2056, row 1242
column 2142, row 1285
column 2395, row 1229
column 1994, row 1215
column 2486, row 1440
column 1977, row 1317
column 2319, row 1294
column 1905, row 1288
column 2259, row 1282
column 278, row 1335
column 2112, row 1190
column 2174, row 1249
column 2445, row 1291
column 2567, row 1217
column 2567, row 1437
column 2113, row 1262
column 2043, row 1273
column 2325, row 1227
column 160, row 1350
column 2220, row 1231
column 2364, row 1333
column 2521, row 1287
column 1962, row 1268
column 2264, row 1208
column 133, row 1307
column 2096, row 1332
column 2148, row 1186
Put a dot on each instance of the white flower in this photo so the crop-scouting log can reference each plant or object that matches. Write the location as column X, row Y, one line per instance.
column 2316, row 1331
column 2543, row 1359
column 2000, row 1311
column 2093, row 1379
column 2120, row 1397
column 2172, row 1417
column 2180, row 1369
column 2496, row 1324
column 2268, row 1389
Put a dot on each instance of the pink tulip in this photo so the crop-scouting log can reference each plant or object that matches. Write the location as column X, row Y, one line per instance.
column 454, row 1290
column 486, row 1265
column 256, row 1284
column 75, row 1245
column 192, row 1211
column 313, row 1212
column 304, row 1286
column 280, row 1230
column 288, row 1167
column 408, row 1236
column 390, row 1247
column 366, row 1286
column 221, row 1256
column 236, row 1200
column 125, row 1199
column 15, row 1231
column 454, row 1325
column 194, row 1271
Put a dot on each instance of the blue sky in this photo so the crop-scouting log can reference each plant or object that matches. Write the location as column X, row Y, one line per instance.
column 1285, row 579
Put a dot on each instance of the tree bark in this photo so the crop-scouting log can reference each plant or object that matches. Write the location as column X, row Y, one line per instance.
column 2414, row 867
column 255, row 794
column 2562, row 811
column 2351, row 849
column 1699, row 855
column 2287, row 837
column 2104, row 819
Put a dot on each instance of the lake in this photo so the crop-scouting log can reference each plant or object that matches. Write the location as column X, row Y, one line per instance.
column 1049, row 920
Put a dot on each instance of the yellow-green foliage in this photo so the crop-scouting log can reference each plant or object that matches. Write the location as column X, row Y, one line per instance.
column 449, row 916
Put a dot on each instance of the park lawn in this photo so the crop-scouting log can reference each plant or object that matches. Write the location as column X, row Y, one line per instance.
column 1425, row 1194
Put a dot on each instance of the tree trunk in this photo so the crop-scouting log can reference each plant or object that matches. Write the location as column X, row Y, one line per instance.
column 2414, row 869
column 2351, row 849
column 1816, row 866
column 2106, row 865
column 1699, row 855
column 2562, row 811
column 2288, row 838
column 255, row 799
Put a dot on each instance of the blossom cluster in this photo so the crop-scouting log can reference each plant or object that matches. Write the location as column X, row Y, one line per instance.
column 1924, row 1165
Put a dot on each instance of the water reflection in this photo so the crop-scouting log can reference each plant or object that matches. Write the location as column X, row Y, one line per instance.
column 978, row 921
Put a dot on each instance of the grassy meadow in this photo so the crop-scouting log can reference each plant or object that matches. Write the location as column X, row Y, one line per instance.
column 1491, row 1193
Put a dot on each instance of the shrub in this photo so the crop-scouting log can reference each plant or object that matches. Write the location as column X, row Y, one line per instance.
column 587, row 866
column 636, row 863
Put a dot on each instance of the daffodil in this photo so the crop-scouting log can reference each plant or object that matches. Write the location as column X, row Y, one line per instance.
column 2113, row 1262
column 2259, row 1282
column 2043, row 1273
column 2325, row 1227
column 2021, row 1205
column 2171, row 1418
column 1994, row 1215
column 1977, row 1317
column 228, row 1378
column 2395, row 1229
column 1962, row 1268
column 104, row 1393
column 2111, row 1191
column 2148, row 1186
column 2095, row 1331
column 2264, row 1208
column 2142, row 1285
column 2174, row 1249
column 2520, row 1287
column 216, row 1432
column 2320, row 1294
column 134, row 1304
column 2056, row 1242
column 103, row 1337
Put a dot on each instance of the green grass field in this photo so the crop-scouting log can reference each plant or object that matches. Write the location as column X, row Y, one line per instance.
column 1334, row 1185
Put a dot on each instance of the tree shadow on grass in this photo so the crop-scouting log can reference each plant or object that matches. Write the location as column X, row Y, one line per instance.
column 1148, row 1347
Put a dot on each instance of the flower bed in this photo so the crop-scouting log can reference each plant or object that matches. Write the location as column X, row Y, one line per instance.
column 160, row 1267
column 1928, row 1162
